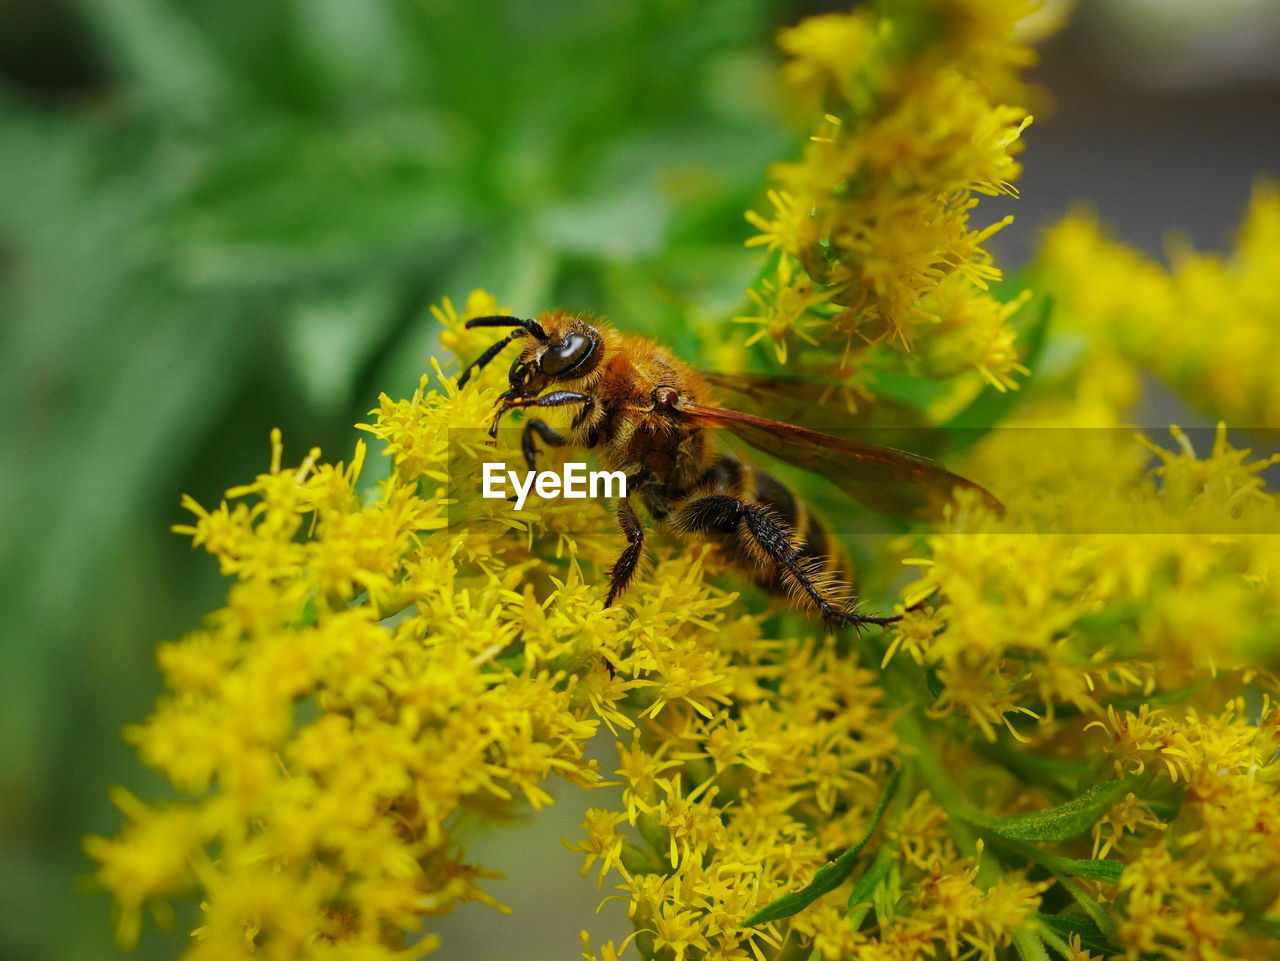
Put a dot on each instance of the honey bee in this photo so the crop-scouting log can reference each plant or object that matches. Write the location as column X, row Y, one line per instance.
column 646, row 412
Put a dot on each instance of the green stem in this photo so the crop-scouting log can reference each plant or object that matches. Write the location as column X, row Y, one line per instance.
column 1029, row 945
column 1055, row 942
column 959, row 808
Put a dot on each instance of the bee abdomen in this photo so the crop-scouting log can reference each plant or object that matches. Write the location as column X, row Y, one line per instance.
column 823, row 563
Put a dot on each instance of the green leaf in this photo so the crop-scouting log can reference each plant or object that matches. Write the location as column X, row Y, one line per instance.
column 1097, row 914
column 309, row 612
column 830, row 876
column 1091, row 938
column 1063, row 868
column 908, row 388
column 1094, row 869
column 1059, row 823
column 866, row 885
column 934, row 683
column 1270, row 926
column 1164, row 810
column 887, row 896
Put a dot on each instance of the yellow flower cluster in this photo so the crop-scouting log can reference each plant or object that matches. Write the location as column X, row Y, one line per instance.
column 1202, row 325
column 1197, row 885
column 1096, row 581
column 392, row 666
column 352, row 704
column 1135, row 600
column 871, row 228
column 1068, row 744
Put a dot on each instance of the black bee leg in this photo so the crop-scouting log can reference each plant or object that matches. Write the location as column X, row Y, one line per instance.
column 557, row 398
column 768, row 538
column 482, row 361
column 840, row 617
column 543, row 430
column 623, row 569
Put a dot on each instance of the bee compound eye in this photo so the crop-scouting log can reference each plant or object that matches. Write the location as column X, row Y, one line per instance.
column 563, row 356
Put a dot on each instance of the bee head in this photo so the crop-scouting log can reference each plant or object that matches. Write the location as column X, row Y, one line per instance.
column 561, row 347
column 570, row 351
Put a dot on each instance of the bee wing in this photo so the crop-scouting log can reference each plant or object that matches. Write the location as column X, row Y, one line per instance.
column 887, row 480
column 809, row 401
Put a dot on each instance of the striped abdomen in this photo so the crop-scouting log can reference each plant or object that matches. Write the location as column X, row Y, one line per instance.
column 815, row 554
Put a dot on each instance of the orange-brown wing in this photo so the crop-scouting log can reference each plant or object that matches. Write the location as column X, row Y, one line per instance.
column 884, row 479
column 808, row 401
column 834, row 408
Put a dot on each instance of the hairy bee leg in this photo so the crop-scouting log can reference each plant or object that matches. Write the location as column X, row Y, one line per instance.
column 729, row 515
column 854, row 619
column 621, row 573
column 483, row 360
column 543, row 430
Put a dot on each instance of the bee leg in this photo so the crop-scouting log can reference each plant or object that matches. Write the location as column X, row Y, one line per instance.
column 623, row 569
column 483, row 360
column 766, row 535
column 557, row 398
column 842, row 617
column 543, row 430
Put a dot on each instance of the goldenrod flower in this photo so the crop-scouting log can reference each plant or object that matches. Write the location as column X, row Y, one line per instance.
column 1206, row 324
column 875, row 218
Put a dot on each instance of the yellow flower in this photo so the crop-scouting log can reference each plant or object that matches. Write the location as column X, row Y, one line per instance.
column 1206, row 324
column 604, row 842
column 349, row 703
column 876, row 214
column 1011, row 631
column 150, row 860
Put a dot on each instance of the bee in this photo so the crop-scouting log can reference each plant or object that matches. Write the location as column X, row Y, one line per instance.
column 647, row 414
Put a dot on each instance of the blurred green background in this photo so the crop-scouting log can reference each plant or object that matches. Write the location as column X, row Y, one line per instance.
column 220, row 217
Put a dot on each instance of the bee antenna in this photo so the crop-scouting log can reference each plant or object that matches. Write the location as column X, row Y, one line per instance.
column 532, row 326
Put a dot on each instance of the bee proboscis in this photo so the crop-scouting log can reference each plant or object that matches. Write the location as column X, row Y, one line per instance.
column 643, row 410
